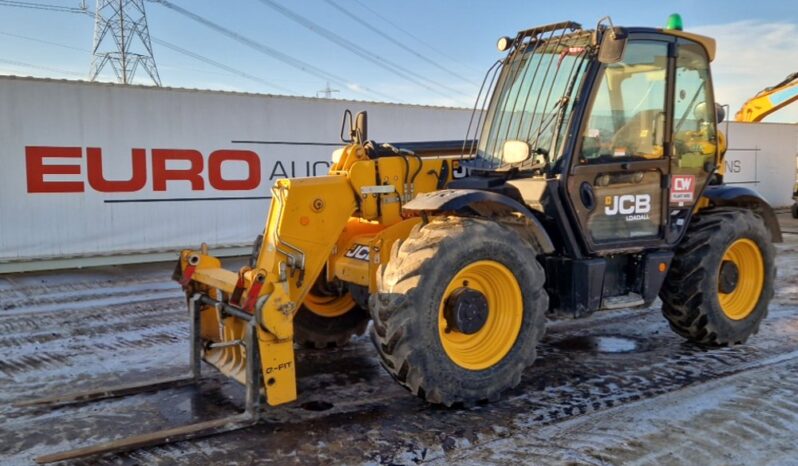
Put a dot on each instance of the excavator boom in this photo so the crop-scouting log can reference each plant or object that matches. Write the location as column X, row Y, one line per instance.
column 769, row 100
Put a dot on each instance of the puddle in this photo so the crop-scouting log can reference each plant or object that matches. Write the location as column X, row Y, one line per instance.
column 598, row 344
column 317, row 406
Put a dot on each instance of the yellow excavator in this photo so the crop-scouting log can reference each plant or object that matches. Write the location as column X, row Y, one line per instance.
column 590, row 179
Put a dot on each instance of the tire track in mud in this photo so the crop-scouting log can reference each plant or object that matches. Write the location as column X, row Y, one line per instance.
column 41, row 288
column 86, row 351
column 79, row 330
column 32, row 302
column 30, row 361
column 66, row 318
column 98, row 320
column 707, row 429
column 145, row 295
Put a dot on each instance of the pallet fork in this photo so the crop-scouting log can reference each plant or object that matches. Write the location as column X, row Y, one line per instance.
column 250, row 416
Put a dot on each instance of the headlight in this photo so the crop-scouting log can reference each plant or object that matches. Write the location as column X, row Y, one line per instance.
column 504, row 43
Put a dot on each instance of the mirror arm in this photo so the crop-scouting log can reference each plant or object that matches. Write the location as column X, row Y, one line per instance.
column 348, row 113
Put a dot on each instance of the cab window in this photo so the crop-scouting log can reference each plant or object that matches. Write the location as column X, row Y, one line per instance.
column 627, row 115
column 694, row 127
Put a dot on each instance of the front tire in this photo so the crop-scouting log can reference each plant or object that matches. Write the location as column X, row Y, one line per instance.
column 721, row 280
column 452, row 260
column 329, row 317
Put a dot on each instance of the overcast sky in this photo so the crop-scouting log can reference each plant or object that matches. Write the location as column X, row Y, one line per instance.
column 440, row 47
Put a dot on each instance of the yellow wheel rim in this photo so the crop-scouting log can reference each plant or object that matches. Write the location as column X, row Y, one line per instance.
column 740, row 302
column 329, row 306
column 488, row 346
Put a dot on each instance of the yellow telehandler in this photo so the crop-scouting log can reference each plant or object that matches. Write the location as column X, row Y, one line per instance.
column 590, row 179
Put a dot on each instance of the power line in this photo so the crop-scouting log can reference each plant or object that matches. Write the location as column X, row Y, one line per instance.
column 54, row 44
column 222, row 66
column 364, row 22
column 413, row 36
column 41, row 6
column 39, row 67
column 360, row 51
column 173, row 47
column 265, row 49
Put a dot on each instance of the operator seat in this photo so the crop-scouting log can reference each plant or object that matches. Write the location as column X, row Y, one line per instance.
column 637, row 136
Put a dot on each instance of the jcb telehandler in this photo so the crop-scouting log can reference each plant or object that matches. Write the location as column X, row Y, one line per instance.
column 591, row 178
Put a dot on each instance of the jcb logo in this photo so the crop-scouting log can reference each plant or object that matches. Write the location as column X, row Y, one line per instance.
column 627, row 204
column 359, row 252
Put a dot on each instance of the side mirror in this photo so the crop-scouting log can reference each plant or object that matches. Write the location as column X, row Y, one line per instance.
column 701, row 112
column 720, row 112
column 346, row 126
column 515, row 151
column 358, row 130
column 361, row 130
column 613, row 44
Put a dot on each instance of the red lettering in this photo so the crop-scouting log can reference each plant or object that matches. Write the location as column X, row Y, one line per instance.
column 160, row 174
column 138, row 177
column 36, row 169
column 216, row 160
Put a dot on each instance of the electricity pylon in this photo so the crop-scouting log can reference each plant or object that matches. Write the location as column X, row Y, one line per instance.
column 122, row 39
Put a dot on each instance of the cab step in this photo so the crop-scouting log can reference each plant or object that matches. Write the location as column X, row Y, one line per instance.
column 623, row 301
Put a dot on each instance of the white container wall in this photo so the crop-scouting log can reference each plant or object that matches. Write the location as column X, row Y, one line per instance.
column 762, row 156
column 97, row 170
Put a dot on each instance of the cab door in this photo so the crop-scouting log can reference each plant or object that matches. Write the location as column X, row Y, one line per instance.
column 696, row 139
column 618, row 178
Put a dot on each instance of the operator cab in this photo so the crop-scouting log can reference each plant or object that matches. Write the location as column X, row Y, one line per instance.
column 615, row 127
column 610, row 137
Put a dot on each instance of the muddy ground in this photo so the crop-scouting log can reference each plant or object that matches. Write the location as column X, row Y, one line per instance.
column 618, row 387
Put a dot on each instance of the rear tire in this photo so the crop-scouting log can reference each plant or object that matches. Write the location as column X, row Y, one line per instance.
column 419, row 349
column 699, row 299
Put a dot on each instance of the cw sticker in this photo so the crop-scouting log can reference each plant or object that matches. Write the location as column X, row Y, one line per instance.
column 683, row 189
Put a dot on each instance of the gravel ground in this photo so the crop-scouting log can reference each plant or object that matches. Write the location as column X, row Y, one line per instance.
column 617, row 388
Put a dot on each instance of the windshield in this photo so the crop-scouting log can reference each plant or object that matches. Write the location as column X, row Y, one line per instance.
column 533, row 98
